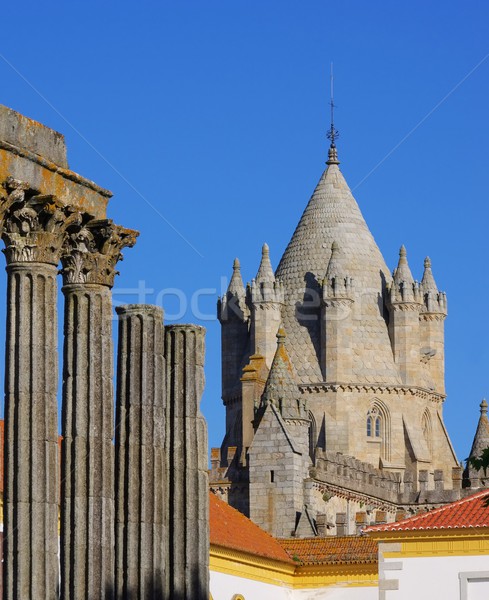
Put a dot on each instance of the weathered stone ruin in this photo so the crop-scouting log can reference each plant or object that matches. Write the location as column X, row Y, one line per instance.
column 133, row 514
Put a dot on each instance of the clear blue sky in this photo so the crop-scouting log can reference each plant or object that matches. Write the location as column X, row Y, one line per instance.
column 207, row 120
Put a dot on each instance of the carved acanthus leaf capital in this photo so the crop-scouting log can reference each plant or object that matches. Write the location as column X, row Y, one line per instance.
column 92, row 252
column 33, row 226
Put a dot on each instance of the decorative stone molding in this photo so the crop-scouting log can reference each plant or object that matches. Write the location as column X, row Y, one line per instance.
column 318, row 388
column 91, row 253
column 406, row 307
column 425, row 316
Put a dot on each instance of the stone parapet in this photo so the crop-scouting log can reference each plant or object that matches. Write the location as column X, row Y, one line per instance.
column 348, row 472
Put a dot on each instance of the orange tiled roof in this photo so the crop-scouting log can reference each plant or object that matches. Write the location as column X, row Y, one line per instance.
column 230, row 529
column 466, row 513
column 331, row 550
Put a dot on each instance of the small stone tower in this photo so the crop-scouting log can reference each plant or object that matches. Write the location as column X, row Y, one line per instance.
column 266, row 305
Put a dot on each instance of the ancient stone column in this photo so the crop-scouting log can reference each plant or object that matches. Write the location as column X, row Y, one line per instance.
column 186, row 454
column 87, row 491
column 33, row 229
column 140, row 464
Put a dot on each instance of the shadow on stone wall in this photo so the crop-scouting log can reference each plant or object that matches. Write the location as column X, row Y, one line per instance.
column 194, row 590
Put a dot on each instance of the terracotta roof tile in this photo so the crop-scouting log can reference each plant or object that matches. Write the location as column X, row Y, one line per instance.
column 466, row 513
column 230, row 529
column 331, row 550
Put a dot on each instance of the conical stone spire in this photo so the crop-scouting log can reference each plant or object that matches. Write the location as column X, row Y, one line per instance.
column 265, row 271
column 404, row 287
column 403, row 274
column 332, row 215
column 236, row 286
column 428, row 282
column 481, row 438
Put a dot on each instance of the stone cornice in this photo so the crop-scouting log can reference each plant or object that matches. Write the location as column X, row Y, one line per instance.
column 47, row 164
column 344, row 492
column 375, row 388
column 406, row 306
column 426, row 316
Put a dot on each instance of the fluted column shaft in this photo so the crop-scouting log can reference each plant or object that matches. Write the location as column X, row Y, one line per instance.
column 140, row 464
column 88, row 452
column 31, row 434
column 33, row 227
column 87, row 494
column 186, row 451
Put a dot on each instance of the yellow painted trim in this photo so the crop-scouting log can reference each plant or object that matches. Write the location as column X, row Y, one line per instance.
column 353, row 575
column 257, row 568
column 433, row 542
column 400, row 536
column 241, row 564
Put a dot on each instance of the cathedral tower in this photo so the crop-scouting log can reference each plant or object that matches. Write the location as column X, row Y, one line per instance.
column 365, row 371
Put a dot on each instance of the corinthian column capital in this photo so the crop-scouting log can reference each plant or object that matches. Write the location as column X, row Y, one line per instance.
column 92, row 251
column 32, row 225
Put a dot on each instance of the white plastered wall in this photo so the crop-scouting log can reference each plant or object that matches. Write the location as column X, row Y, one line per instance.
column 439, row 577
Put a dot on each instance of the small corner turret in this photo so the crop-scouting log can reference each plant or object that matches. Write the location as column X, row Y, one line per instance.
column 432, row 326
column 416, row 325
column 266, row 297
column 405, row 304
column 404, row 289
column 233, row 314
column 434, row 300
column 336, row 316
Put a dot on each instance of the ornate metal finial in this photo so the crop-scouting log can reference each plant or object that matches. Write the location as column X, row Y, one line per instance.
column 333, row 133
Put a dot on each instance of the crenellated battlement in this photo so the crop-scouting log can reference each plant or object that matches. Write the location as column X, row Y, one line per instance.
column 260, row 292
column 348, row 472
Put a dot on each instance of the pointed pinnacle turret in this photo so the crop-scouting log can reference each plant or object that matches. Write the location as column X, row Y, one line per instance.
column 403, row 272
column 233, row 304
column 336, row 282
column 265, row 287
column 236, row 285
column 435, row 301
column 404, row 288
column 265, row 271
column 481, row 438
column 428, row 282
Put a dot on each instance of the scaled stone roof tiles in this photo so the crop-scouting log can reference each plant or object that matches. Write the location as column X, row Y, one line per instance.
column 332, row 215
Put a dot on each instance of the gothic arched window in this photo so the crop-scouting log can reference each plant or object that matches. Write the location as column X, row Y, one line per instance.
column 378, row 427
column 374, row 423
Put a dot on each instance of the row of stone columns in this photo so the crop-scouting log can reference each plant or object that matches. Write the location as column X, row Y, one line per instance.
column 121, row 536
